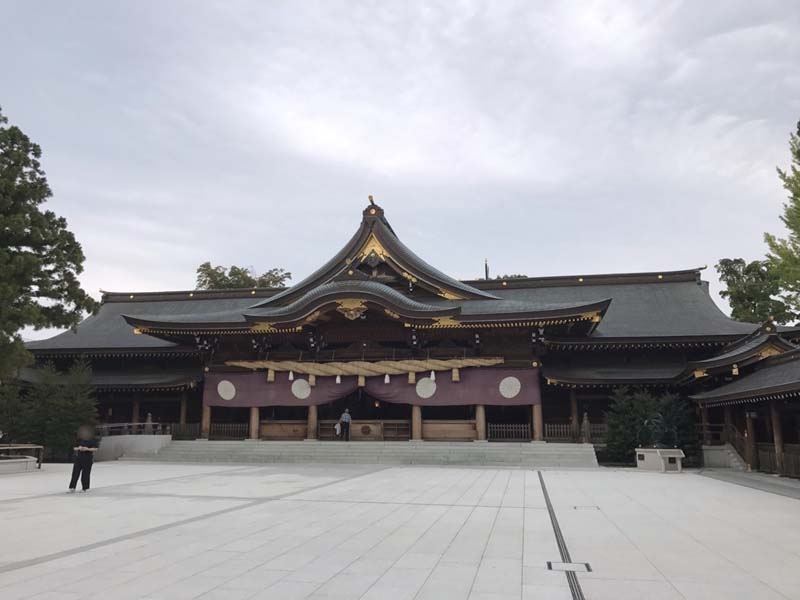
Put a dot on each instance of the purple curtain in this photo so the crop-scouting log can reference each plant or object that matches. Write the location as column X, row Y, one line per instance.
column 477, row 386
column 252, row 389
column 488, row 385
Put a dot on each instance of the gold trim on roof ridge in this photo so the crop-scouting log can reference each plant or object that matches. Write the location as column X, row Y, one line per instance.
column 373, row 245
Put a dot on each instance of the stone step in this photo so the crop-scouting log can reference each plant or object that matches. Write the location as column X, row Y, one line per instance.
column 534, row 455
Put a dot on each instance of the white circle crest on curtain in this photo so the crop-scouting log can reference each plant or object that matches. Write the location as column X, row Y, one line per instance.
column 510, row 387
column 426, row 387
column 301, row 389
column 226, row 390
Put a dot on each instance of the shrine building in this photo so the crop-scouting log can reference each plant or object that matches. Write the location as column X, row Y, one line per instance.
column 415, row 354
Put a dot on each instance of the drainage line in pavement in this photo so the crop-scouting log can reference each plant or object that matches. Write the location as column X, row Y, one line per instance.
column 572, row 578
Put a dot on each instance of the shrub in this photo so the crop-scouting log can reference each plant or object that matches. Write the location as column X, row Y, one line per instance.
column 49, row 411
column 639, row 418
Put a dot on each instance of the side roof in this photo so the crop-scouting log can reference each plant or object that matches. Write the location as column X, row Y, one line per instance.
column 777, row 377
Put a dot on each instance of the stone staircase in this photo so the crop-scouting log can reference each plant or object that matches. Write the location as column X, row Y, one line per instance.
column 724, row 456
column 500, row 454
column 736, row 462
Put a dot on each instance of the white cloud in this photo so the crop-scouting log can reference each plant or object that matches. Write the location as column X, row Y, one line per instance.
column 553, row 137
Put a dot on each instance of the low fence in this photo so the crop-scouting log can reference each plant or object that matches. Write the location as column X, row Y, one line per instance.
column 229, row 431
column 559, row 432
column 509, row 432
column 566, row 432
column 109, row 429
column 185, row 431
column 398, row 431
column 768, row 462
column 178, row 431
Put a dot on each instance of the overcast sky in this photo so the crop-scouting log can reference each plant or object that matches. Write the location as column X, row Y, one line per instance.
column 551, row 137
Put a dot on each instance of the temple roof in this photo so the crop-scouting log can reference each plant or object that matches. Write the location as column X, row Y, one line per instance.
column 762, row 343
column 173, row 379
column 375, row 241
column 622, row 374
column 775, row 377
column 375, row 267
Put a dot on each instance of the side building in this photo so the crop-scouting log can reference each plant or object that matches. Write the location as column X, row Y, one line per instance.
column 414, row 353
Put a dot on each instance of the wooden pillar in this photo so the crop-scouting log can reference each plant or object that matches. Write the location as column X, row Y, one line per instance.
column 205, row 422
column 311, row 434
column 777, row 434
column 752, row 447
column 136, row 409
column 573, row 413
column 704, row 420
column 184, row 402
column 727, row 412
column 255, row 423
column 416, row 422
column 480, row 422
column 538, row 423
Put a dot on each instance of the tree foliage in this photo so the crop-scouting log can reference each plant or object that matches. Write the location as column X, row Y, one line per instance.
column 210, row 277
column 49, row 411
column 512, row 276
column 784, row 253
column 753, row 290
column 40, row 260
column 637, row 418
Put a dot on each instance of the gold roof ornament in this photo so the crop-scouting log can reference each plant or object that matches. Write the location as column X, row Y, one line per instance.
column 352, row 309
column 373, row 246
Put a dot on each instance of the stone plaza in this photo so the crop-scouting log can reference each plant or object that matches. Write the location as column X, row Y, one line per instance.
column 373, row 532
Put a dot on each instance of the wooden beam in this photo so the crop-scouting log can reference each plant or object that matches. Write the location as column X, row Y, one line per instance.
column 777, row 434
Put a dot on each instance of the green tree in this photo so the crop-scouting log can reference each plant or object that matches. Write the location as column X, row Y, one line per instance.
column 10, row 412
column 638, row 418
column 210, row 277
column 626, row 418
column 40, row 260
column 784, row 253
column 752, row 290
column 50, row 410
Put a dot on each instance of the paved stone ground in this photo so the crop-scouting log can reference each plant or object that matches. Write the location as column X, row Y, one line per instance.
column 783, row 486
column 320, row 532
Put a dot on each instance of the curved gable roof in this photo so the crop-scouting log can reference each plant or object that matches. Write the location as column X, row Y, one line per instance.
column 376, row 239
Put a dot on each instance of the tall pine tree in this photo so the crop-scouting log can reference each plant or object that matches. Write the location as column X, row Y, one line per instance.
column 40, row 260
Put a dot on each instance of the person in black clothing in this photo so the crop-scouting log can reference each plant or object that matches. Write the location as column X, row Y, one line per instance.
column 84, row 449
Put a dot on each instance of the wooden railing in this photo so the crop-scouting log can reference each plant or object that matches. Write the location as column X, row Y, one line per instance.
column 184, row 431
column 598, row 432
column 737, row 440
column 712, row 434
column 768, row 462
column 558, row 432
column 229, row 431
column 392, row 431
column 109, row 429
column 509, row 432
column 791, row 460
column 396, row 431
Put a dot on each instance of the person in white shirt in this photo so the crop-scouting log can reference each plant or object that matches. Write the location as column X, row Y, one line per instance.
column 345, row 421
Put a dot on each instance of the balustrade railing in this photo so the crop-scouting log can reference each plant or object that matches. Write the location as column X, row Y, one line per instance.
column 559, row 432
column 509, row 432
column 109, row 429
column 179, row 431
column 598, row 432
column 396, row 431
column 185, row 431
column 228, row 431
